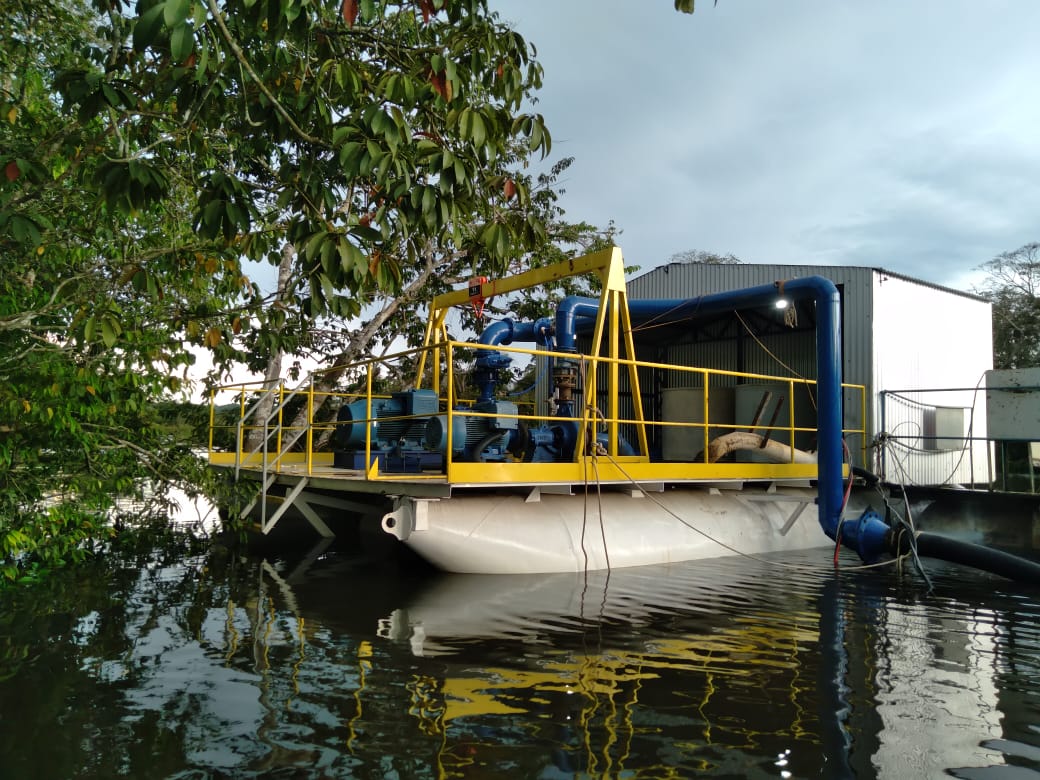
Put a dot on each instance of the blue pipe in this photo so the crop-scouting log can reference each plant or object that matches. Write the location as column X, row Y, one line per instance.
column 505, row 332
column 567, row 313
column 868, row 536
column 489, row 362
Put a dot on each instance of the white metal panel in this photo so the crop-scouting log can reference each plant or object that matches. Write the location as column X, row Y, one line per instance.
column 1013, row 404
column 933, row 348
column 927, row 338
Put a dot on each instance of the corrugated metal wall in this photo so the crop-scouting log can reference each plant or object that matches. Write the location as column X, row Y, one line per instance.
column 798, row 348
column 687, row 280
column 892, row 327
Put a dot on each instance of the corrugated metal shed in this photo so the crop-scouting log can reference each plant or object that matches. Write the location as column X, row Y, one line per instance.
column 686, row 280
column 894, row 329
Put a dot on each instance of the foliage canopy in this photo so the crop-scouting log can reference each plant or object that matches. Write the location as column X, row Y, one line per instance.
column 1013, row 286
column 154, row 154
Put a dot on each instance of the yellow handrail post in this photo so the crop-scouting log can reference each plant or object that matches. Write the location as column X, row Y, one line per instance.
column 212, row 421
column 450, row 411
column 707, row 406
column 590, row 376
column 310, row 427
column 278, row 438
column 368, row 419
column 790, row 415
column 241, row 428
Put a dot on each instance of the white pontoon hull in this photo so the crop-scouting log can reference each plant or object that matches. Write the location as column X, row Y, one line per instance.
column 514, row 534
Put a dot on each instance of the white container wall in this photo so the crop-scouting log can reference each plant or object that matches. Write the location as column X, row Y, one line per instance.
column 931, row 352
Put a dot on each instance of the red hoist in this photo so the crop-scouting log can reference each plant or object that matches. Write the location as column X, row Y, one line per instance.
column 476, row 295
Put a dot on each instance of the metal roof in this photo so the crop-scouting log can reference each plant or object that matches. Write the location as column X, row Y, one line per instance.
column 823, row 269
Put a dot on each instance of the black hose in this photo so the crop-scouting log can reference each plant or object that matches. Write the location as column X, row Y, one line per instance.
column 869, row 477
column 975, row 555
column 474, row 452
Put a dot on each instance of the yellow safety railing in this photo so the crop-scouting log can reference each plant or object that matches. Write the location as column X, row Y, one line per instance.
column 301, row 447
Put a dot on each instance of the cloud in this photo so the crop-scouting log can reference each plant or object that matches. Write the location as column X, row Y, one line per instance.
column 894, row 134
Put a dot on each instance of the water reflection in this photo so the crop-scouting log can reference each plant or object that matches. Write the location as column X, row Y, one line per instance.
column 334, row 665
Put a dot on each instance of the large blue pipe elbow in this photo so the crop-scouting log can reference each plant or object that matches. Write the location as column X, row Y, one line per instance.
column 489, row 361
column 567, row 313
column 507, row 331
column 869, row 536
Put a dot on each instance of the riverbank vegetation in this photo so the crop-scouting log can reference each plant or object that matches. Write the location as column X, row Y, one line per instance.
column 161, row 159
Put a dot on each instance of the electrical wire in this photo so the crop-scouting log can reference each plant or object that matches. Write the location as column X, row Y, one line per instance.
column 734, row 550
column 599, row 501
column 812, row 398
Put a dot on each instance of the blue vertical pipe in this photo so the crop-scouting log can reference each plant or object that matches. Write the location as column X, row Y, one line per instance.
column 867, row 536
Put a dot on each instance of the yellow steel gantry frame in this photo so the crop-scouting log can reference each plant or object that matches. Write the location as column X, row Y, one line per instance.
column 612, row 317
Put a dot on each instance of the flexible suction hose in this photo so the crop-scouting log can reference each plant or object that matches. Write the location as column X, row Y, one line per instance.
column 997, row 562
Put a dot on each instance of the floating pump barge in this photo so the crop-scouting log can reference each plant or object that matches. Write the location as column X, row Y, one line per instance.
column 475, row 479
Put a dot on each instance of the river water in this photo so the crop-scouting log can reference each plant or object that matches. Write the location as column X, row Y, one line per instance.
column 217, row 664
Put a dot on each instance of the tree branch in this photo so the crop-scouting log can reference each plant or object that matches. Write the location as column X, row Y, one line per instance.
column 241, row 57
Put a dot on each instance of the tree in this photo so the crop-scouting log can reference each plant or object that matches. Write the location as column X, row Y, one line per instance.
column 147, row 155
column 1013, row 287
column 701, row 257
column 391, row 318
column 85, row 341
column 686, row 6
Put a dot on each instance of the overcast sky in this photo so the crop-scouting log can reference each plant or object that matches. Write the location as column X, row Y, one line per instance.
column 903, row 134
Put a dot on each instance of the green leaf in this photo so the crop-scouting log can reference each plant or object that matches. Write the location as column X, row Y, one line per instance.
column 112, row 97
column 341, row 134
column 502, row 242
column 350, row 256
column 212, row 216
column 429, row 200
column 25, row 230
column 478, row 132
column 182, row 41
column 409, row 91
column 490, row 236
column 176, row 11
column 148, row 26
column 313, row 245
column 108, row 333
column 539, row 137
column 328, row 252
